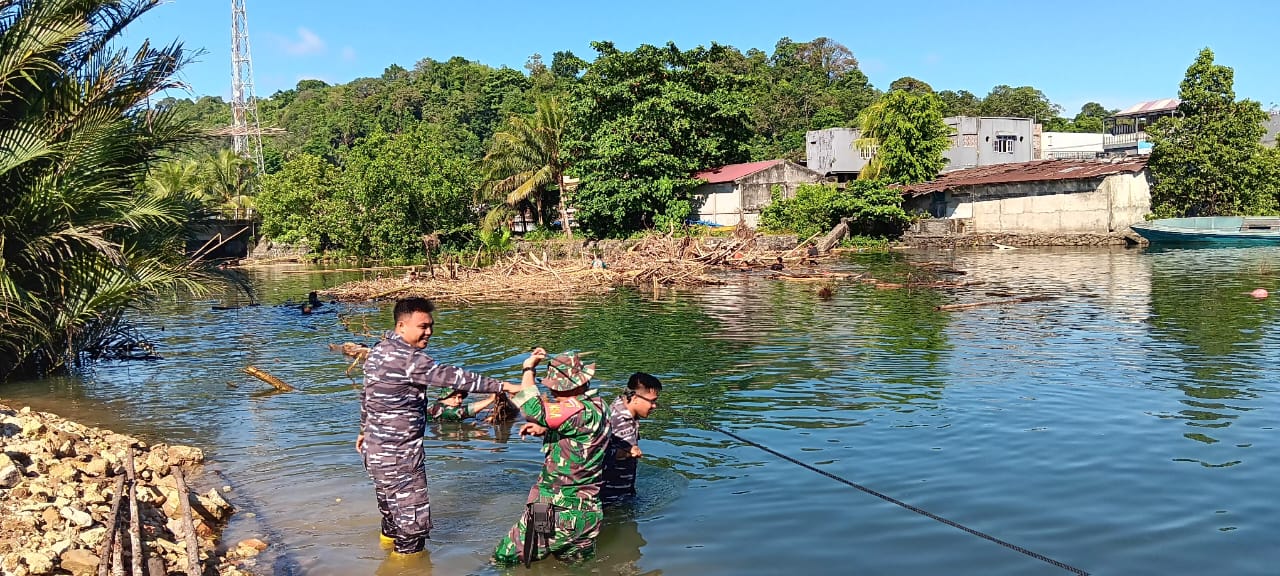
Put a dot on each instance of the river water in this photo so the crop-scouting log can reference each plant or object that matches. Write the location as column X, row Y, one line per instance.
column 1128, row 426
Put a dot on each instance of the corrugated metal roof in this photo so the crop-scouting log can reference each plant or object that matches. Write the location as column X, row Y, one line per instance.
column 1033, row 171
column 733, row 172
column 1150, row 106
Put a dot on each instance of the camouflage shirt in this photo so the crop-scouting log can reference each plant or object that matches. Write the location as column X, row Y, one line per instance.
column 393, row 406
column 574, row 464
column 440, row 411
column 620, row 473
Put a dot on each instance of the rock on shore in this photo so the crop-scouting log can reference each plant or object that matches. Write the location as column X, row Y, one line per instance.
column 56, row 484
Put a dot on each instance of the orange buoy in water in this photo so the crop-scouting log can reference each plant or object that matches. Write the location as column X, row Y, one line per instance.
column 1259, row 293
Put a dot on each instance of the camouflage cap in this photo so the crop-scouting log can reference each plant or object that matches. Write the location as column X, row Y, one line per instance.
column 566, row 372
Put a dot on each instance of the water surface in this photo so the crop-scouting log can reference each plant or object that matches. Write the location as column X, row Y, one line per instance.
column 1125, row 427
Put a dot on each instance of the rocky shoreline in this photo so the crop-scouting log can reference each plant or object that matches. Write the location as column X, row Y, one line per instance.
column 57, row 486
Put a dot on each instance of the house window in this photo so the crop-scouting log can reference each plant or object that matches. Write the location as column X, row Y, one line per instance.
column 867, row 152
column 1004, row 143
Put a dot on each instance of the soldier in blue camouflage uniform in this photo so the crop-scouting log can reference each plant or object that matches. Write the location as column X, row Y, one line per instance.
column 393, row 416
column 563, row 513
column 639, row 399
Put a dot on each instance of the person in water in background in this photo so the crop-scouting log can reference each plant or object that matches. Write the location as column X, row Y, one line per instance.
column 453, row 406
column 393, row 415
column 563, row 514
column 636, row 402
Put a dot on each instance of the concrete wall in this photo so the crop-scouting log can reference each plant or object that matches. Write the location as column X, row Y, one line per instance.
column 977, row 141
column 721, row 203
column 831, row 151
column 1069, row 143
column 1099, row 205
column 1273, row 128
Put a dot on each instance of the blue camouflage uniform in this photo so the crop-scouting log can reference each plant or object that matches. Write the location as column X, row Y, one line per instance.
column 393, row 415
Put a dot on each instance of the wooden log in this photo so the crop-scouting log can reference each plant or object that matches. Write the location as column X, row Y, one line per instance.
column 184, row 505
column 994, row 302
column 113, row 522
column 268, row 378
column 834, row 237
column 135, row 538
column 117, row 558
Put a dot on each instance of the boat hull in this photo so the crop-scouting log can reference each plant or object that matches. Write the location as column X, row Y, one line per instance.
column 1217, row 231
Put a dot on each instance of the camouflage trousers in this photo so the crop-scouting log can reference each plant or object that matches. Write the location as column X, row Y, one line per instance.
column 574, row 540
column 401, row 491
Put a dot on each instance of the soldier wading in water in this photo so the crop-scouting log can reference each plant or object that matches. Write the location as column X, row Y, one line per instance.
column 563, row 514
column 393, row 414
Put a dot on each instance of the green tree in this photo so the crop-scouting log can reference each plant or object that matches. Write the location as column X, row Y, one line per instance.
column 291, row 199
column 1209, row 160
column 527, row 158
column 1020, row 102
column 80, row 241
column 229, row 181
column 909, row 136
column 873, row 208
column 909, row 84
column 642, row 123
column 960, row 103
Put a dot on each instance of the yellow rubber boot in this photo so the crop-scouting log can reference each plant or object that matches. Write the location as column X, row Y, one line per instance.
column 386, row 542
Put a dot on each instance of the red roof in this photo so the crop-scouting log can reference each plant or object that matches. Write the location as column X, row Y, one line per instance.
column 734, row 171
column 1033, row 171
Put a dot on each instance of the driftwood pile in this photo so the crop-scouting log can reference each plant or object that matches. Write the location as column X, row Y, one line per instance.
column 659, row 260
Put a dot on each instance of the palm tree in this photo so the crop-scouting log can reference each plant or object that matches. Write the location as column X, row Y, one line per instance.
column 527, row 158
column 80, row 241
column 229, row 182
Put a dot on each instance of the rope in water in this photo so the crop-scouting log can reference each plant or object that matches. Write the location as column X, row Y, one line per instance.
column 891, row 499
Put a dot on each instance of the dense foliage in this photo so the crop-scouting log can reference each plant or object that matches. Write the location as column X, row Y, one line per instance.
column 1209, row 160
column 872, row 207
column 642, row 123
column 80, row 240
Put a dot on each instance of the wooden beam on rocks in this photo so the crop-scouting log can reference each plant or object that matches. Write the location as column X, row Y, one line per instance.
column 184, row 506
column 113, row 521
column 135, row 537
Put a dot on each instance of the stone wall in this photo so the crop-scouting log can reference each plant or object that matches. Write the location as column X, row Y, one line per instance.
column 267, row 249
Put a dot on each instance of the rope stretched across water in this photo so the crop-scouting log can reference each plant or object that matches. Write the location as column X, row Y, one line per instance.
column 887, row 498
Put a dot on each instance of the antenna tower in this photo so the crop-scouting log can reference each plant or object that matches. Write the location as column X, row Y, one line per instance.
column 246, row 133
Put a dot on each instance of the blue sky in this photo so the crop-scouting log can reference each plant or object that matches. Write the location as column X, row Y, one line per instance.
column 1110, row 52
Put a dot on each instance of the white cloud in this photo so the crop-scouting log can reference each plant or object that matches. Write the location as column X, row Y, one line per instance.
column 307, row 43
column 348, row 54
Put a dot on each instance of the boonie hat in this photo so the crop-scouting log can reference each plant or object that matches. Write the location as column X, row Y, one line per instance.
column 566, row 372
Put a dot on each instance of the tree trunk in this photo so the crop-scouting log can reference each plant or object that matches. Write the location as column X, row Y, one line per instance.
column 537, row 207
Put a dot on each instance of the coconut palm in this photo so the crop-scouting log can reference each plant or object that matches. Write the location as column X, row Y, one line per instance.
column 526, row 159
column 81, row 240
column 229, row 183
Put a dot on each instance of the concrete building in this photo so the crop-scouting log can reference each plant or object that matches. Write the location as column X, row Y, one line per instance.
column 1070, row 146
column 1037, row 197
column 975, row 141
column 1126, row 132
column 738, row 191
column 987, row 141
column 1273, row 128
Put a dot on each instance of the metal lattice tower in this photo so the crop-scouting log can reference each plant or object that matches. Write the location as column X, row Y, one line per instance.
column 246, row 133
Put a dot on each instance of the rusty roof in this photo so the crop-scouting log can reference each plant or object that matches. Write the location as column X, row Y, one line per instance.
column 1033, row 171
column 1150, row 106
column 733, row 172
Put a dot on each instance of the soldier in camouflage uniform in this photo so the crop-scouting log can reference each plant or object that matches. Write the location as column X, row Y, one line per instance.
column 453, row 408
column 575, row 430
column 393, row 413
column 636, row 402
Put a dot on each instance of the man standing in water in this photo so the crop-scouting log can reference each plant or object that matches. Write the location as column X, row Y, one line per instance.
column 563, row 514
column 393, row 413
column 640, row 398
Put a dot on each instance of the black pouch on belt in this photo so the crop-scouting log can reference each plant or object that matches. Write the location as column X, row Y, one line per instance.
column 541, row 524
